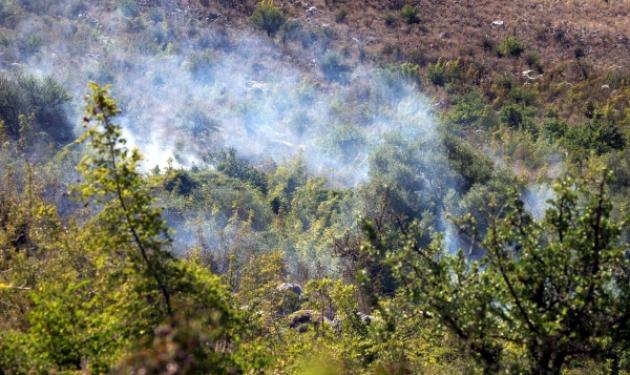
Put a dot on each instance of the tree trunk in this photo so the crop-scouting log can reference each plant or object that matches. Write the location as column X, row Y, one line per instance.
column 549, row 363
column 615, row 366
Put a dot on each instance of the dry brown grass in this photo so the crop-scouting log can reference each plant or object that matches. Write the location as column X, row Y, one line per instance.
column 552, row 29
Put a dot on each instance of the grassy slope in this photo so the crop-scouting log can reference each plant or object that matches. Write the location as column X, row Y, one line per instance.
column 577, row 45
column 451, row 29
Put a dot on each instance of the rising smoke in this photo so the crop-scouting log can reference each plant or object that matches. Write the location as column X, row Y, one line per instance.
column 229, row 89
column 190, row 90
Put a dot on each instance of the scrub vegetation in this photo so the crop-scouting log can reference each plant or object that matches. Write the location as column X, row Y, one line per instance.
column 314, row 187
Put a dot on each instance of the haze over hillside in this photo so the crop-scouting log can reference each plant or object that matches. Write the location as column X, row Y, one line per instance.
column 314, row 187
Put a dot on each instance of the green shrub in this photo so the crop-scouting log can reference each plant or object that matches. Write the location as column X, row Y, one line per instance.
column 533, row 61
column 341, row 16
column 504, row 82
column 180, row 182
column 443, row 71
column 201, row 66
column 44, row 99
column 292, row 30
column 389, row 19
column 510, row 46
column 554, row 129
column 74, row 8
column 487, row 43
column 30, row 44
column 395, row 74
column 9, row 13
column 618, row 78
column 409, row 14
column 417, row 56
column 5, row 39
column 599, row 134
column 472, row 110
column 268, row 17
column 523, row 95
column 346, row 140
column 513, row 116
column 156, row 15
column 333, row 68
column 231, row 166
column 129, row 8
column 34, row 6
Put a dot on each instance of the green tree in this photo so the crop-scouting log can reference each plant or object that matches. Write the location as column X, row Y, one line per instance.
column 268, row 17
column 409, row 14
column 558, row 289
column 111, row 179
column 129, row 237
column 599, row 134
column 510, row 46
column 44, row 99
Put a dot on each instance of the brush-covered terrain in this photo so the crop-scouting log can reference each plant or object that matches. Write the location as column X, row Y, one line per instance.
column 314, row 187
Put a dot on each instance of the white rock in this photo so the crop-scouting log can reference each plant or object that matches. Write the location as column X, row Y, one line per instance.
column 528, row 75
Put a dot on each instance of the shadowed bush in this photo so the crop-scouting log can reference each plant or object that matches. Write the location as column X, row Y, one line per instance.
column 43, row 99
column 409, row 14
column 268, row 17
column 511, row 47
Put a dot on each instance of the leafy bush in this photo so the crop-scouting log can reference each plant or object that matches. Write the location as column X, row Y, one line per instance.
column 396, row 74
column 472, row 110
column 180, row 181
column 74, row 8
column 504, row 82
column 44, row 99
column 292, row 30
column 346, row 140
column 6, row 39
column 599, row 134
column 129, row 8
column 487, row 43
column 523, row 260
column 9, row 13
column 389, row 19
column 30, row 44
column 231, row 166
column 409, row 14
column 523, row 95
column 417, row 56
column 34, row 6
column 554, row 129
column 510, row 46
column 156, row 15
column 533, row 61
column 618, row 78
column 333, row 68
column 341, row 16
column 443, row 71
column 201, row 66
column 268, row 17
column 471, row 167
column 512, row 115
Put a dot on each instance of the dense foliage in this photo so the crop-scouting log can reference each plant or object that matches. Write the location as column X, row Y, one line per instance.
column 493, row 240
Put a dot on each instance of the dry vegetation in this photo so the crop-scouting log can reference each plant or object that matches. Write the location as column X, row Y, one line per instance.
column 451, row 29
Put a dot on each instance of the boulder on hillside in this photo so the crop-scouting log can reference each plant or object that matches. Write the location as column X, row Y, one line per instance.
column 290, row 295
column 302, row 319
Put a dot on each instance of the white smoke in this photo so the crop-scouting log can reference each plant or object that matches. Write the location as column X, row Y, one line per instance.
column 236, row 90
column 536, row 199
column 189, row 91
